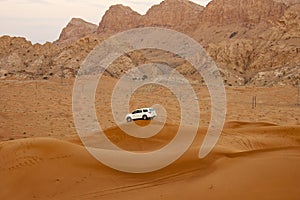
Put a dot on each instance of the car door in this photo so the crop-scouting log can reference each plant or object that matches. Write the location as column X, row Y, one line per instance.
column 139, row 114
column 146, row 112
column 136, row 114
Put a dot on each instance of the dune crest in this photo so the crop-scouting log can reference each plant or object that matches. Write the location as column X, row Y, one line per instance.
column 61, row 170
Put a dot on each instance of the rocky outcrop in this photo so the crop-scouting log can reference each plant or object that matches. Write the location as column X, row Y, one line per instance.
column 76, row 29
column 252, row 42
column 181, row 15
column 118, row 18
column 274, row 51
column 289, row 24
column 20, row 59
column 288, row 2
column 246, row 12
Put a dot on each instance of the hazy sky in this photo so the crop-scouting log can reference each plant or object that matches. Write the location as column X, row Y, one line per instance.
column 43, row 20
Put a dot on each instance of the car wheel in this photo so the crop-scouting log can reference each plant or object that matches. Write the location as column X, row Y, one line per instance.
column 129, row 119
column 145, row 117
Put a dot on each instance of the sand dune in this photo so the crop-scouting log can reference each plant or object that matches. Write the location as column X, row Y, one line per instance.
column 42, row 157
column 242, row 166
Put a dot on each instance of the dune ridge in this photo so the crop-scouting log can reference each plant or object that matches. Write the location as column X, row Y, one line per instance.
column 60, row 169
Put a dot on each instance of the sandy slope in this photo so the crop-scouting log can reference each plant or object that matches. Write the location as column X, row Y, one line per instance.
column 41, row 156
column 251, row 161
column 44, row 108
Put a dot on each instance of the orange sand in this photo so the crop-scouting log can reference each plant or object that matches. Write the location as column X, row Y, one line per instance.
column 41, row 156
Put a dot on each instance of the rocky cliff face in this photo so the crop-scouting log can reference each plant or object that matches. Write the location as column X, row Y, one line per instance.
column 253, row 42
column 20, row 59
column 246, row 12
column 288, row 2
column 76, row 29
column 118, row 18
column 275, row 51
column 181, row 15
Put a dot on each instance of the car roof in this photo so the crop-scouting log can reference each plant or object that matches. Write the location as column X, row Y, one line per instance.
column 142, row 108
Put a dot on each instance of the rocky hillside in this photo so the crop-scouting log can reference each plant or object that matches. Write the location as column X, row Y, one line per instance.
column 181, row 15
column 76, row 29
column 253, row 42
column 246, row 12
column 275, row 51
column 22, row 60
column 118, row 18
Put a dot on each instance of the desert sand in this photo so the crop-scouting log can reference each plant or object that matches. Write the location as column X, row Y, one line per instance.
column 41, row 156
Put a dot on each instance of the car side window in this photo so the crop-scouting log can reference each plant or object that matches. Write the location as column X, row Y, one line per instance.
column 145, row 110
column 134, row 112
column 139, row 111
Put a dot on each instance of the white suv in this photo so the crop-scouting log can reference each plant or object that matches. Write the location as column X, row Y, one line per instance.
column 141, row 113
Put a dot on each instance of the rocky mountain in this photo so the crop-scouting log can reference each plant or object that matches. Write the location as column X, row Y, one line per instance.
column 118, row 18
column 22, row 60
column 275, row 50
column 76, row 29
column 288, row 2
column 253, row 42
column 247, row 12
column 181, row 15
